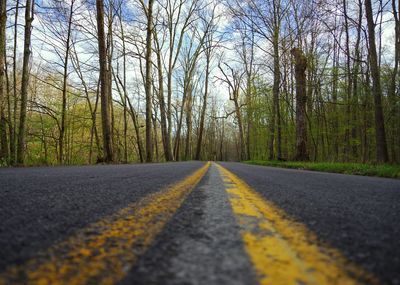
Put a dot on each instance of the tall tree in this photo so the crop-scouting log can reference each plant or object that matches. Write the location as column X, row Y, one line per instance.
column 381, row 145
column 29, row 12
column 355, row 84
column 189, row 65
column 276, row 120
column 105, row 82
column 13, row 119
column 234, row 80
column 65, row 78
column 178, row 21
column 348, row 81
column 395, row 110
column 161, row 99
column 301, row 102
column 3, row 134
column 210, row 44
column 208, row 53
column 148, row 83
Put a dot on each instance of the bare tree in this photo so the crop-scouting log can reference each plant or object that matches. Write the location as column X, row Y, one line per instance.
column 301, row 102
column 265, row 19
column 210, row 44
column 189, row 64
column 148, row 83
column 395, row 110
column 178, row 21
column 29, row 12
column 3, row 133
column 234, row 80
column 161, row 99
column 208, row 53
column 105, row 81
column 12, row 120
column 381, row 145
column 58, row 23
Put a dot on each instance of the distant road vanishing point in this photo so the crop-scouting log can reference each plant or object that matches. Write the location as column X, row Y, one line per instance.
column 197, row 223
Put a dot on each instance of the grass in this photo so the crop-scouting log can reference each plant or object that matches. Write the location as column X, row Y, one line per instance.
column 380, row 170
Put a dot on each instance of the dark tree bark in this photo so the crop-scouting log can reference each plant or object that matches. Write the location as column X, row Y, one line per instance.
column 240, row 124
column 204, row 106
column 335, row 121
column 394, row 109
column 275, row 98
column 13, row 120
column 3, row 126
column 355, row 99
column 234, row 80
column 163, row 110
column 29, row 11
column 104, row 84
column 64, row 88
column 189, row 122
column 348, row 83
column 301, row 102
column 135, row 122
column 380, row 135
column 124, row 97
column 148, row 83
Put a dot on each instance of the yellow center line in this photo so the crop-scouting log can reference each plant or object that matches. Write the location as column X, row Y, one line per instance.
column 104, row 252
column 281, row 250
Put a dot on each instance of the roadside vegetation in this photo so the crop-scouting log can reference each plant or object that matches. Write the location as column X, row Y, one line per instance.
column 380, row 170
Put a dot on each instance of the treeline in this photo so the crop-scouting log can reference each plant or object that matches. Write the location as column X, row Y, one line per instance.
column 348, row 109
column 168, row 80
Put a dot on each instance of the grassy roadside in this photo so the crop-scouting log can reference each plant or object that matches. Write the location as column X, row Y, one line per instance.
column 380, row 170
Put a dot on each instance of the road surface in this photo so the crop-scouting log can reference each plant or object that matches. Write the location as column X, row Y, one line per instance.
column 197, row 223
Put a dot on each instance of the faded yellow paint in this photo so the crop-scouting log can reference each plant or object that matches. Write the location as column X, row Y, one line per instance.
column 105, row 251
column 281, row 250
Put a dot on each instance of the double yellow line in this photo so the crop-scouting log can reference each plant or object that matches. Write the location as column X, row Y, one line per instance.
column 105, row 251
column 281, row 250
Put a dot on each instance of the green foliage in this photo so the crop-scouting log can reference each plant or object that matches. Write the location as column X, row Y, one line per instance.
column 381, row 170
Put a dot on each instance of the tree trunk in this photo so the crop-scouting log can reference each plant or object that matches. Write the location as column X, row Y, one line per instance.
column 104, row 83
column 348, row 85
column 301, row 102
column 124, row 97
column 64, row 88
column 335, row 120
column 203, row 108
column 277, row 82
column 29, row 10
column 355, row 99
column 137, row 130
column 177, row 143
column 110, row 50
column 394, row 109
column 189, row 102
column 3, row 127
column 163, row 112
column 242, row 154
column 155, row 132
column 380, row 135
column 13, row 132
column 148, row 83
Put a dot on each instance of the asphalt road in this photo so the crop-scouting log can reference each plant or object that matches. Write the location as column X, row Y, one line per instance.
column 41, row 206
column 358, row 215
column 200, row 238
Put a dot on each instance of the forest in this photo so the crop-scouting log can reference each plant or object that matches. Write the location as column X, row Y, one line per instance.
column 124, row 81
